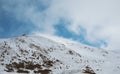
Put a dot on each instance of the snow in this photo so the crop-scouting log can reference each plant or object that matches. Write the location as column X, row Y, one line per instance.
column 73, row 56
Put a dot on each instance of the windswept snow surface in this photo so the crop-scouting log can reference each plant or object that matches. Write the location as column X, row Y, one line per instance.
column 48, row 54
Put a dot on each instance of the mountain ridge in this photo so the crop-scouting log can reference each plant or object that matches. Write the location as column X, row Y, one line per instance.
column 46, row 54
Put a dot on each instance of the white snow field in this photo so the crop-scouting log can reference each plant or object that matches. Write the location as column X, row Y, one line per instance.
column 44, row 54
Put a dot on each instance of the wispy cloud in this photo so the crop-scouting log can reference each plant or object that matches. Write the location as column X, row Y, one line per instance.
column 99, row 18
column 30, row 11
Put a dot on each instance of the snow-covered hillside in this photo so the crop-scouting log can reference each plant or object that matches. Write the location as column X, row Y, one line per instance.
column 52, row 55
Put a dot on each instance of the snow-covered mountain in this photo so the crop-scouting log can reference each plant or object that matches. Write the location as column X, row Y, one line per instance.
column 52, row 55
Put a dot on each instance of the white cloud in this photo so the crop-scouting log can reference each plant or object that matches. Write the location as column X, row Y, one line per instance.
column 99, row 17
column 31, row 11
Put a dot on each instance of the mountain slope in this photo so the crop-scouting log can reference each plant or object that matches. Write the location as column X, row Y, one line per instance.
column 47, row 54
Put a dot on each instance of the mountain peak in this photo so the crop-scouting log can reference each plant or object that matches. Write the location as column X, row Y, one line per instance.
column 47, row 54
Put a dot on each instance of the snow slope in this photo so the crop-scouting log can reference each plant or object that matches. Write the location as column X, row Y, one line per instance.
column 47, row 54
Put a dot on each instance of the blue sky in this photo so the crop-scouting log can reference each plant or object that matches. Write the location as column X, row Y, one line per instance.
column 11, row 27
column 95, row 23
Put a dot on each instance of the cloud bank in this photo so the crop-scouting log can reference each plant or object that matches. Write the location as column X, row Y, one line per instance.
column 100, row 18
